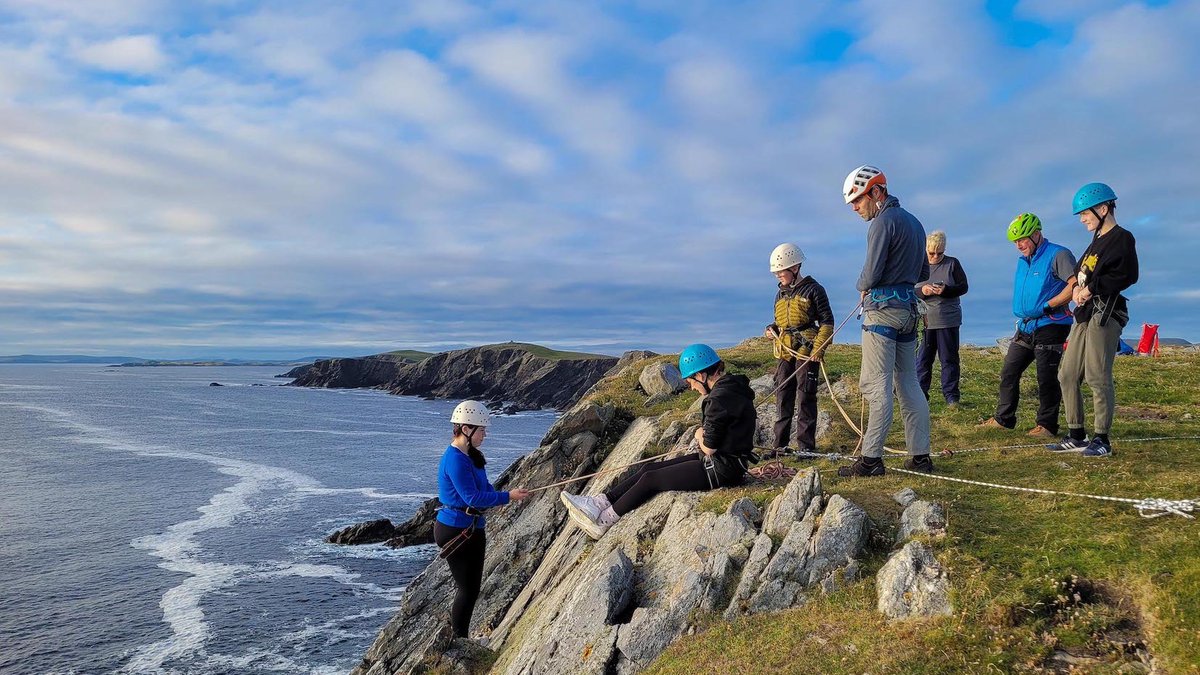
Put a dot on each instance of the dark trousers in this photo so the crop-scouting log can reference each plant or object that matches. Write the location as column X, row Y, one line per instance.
column 1045, row 348
column 681, row 473
column 943, row 344
column 466, row 566
column 799, row 392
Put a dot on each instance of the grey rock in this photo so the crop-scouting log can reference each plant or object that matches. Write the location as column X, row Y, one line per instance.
column 921, row 517
column 585, row 416
column 905, row 496
column 913, row 584
column 629, row 358
column 672, row 433
column 371, row 532
column 760, row 555
column 791, row 504
column 763, row 385
column 810, row 552
column 661, row 379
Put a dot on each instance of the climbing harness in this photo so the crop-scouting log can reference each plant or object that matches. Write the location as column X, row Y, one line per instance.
column 450, row 547
column 890, row 333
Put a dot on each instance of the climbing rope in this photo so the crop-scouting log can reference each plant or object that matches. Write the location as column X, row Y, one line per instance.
column 1150, row 507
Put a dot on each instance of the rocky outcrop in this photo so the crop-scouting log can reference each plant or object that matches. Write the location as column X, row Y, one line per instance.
column 371, row 532
column 554, row 601
column 366, row 372
column 513, row 375
column 913, row 584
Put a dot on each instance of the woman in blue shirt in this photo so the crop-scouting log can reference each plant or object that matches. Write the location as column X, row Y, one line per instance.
column 465, row 492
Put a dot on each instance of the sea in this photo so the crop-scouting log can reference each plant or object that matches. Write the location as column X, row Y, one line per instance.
column 152, row 523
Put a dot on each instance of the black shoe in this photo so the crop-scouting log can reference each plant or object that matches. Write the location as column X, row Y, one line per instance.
column 920, row 463
column 1068, row 444
column 860, row 467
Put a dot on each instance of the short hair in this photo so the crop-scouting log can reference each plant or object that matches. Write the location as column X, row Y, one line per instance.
column 718, row 367
column 936, row 239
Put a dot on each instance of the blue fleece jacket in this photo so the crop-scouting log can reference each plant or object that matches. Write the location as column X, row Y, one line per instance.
column 1039, row 278
column 461, row 484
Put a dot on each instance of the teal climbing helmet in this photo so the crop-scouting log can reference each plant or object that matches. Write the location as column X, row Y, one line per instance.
column 695, row 358
column 1090, row 195
column 1023, row 226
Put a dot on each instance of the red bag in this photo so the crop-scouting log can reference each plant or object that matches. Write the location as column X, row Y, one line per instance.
column 1149, row 341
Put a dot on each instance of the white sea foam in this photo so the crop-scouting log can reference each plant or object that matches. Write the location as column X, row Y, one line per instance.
column 368, row 492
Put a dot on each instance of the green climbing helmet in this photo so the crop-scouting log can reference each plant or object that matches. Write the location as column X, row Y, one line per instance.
column 1023, row 226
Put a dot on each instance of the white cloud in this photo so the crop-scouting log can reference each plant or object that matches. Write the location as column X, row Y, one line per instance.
column 133, row 54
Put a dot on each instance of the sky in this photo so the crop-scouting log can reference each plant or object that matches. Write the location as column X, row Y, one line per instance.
column 267, row 179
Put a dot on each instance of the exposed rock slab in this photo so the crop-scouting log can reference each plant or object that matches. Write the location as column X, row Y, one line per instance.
column 912, row 583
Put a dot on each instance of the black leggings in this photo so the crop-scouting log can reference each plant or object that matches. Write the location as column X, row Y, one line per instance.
column 681, row 473
column 466, row 566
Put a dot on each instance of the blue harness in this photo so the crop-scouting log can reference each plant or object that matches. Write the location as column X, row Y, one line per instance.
column 902, row 293
column 891, row 333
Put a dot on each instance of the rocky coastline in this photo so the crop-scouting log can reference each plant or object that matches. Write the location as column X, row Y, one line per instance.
column 554, row 601
column 509, row 377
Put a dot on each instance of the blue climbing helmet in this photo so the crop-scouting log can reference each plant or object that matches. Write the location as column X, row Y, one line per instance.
column 695, row 358
column 1090, row 195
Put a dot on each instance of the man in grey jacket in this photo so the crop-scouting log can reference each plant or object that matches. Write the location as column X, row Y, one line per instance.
column 895, row 263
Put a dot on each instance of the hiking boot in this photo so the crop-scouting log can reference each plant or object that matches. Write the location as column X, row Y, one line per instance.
column 861, row 467
column 1041, row 432
column 1097, row 448
column 992, row 423
column 588, row 506
column 920, row 463
column 777, row 453
column 1067, row 444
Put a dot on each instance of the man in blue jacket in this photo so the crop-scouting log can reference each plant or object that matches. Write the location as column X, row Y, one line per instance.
column 895, row 262
column 1041, row 295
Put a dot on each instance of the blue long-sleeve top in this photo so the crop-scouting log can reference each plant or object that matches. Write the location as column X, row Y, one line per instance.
column 462, row 485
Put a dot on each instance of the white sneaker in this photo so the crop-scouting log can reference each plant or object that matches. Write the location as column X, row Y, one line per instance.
column 594, row 527
column 589, row 506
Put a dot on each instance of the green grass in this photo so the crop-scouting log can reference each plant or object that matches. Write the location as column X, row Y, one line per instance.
column 546, row 352
column 1030, row 574
column 409, row 355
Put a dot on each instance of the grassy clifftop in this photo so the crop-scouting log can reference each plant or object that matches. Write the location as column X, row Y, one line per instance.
column 1040, row 583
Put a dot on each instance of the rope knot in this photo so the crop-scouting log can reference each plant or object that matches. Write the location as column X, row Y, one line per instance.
column 1156, row 508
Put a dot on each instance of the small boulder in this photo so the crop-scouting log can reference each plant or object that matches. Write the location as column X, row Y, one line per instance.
column 912, row 583
column 763, row 385
column 661, row 379
column 905, row 496
column 922, row 517
column 371, row 532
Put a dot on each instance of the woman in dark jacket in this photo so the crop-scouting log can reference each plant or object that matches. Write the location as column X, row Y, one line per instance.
column 947, row 282
column 726, row 440
column 464, row 491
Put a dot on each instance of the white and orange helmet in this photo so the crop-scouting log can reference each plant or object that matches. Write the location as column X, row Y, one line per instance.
column 861, row 180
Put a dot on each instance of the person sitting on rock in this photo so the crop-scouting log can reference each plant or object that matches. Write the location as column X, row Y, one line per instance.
column 725, row 437
column 802, row 328
column 464, row 491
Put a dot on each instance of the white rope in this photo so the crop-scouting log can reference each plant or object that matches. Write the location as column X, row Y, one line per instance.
column 1150, row 507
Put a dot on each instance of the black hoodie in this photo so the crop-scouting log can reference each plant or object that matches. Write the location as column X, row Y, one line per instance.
column 729, row 426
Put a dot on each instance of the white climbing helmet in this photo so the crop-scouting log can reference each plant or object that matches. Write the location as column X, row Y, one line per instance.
column 786, row 256
column 861, row 180
column 471, row 413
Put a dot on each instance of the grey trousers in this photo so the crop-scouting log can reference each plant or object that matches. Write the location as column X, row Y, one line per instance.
column 1091, row 349
column 890, row 366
